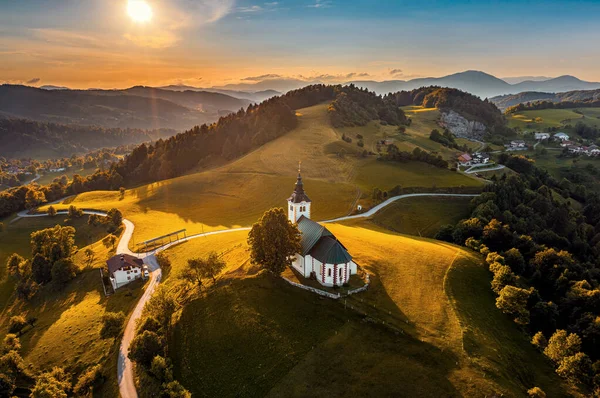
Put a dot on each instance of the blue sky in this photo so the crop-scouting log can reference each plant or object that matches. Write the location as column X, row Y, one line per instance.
column 94, row 43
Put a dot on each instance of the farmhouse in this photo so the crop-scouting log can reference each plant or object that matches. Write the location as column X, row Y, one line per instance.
column 517, row 144
column 542, row 136
column 123, row 268
column 323, row 256
column 560, row 137
column 481, row 158
column 465, row 159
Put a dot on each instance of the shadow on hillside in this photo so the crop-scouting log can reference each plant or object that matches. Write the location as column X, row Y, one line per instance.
column 501, row 348
column 260, row 334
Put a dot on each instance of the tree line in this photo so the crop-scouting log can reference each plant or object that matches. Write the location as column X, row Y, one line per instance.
column 538, row 105
column 22, row 135
column 544, row 256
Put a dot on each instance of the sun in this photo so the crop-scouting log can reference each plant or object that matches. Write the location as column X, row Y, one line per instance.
column 139, row 10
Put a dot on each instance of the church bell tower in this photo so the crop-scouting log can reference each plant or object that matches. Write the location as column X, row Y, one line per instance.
column 298, row 203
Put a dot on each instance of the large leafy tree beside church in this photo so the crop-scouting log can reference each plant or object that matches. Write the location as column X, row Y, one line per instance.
column 274, row 241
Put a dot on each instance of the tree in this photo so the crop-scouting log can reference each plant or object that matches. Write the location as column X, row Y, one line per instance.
column 7, row 385
column 540, row 341
column 74, row 212
column 562, row 345
column 90, row 256
column 91, row 378
column 515, row 260
column 112, row 324
column 16, row 324
column 121, row 193
column 174, row 389
column 34, row 198
column 575, row 368
column 115, row 216
column 11, row 343
column 109, row 241
column 274, row 241
column 163, row 260
column 161, row 370
column 144, row 347
column 503, row 276
column 513, row 301
column 41, row 269
column 208, row 267
column 161, row 306
column 54, row 243
column 536, row 392
column 53, row 384
column 13, row 264
column 51, row 211
column 63, row 271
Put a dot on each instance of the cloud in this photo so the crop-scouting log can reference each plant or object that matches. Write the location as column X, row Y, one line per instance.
column 68, row 38
column 257, row 9
column 262, row 77
column 354, row 74
column 250, row 9
column 34, row 80
column 320, row 4
column 396, row 72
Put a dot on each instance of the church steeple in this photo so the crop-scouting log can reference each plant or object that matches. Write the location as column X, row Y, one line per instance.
column 298, row 202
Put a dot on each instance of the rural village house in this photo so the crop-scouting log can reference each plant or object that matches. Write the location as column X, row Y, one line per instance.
column 124, row 268
column 323, row 257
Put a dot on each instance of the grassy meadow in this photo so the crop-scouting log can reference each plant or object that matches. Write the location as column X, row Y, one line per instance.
column 418, row 331
column 47, row 178
column 422, row 216
column 526, row 120
column 238, row 193
column 69, row 320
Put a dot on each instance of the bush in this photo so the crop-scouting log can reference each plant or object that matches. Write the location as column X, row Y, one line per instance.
column 16, row 324
column 148, row 323
column 112, row 324
column 11, row 343
column 175, row 390
column 536, row 392
column 91, row 378
column 576, row 368
column 53, row 384
column 540, row 341
column 145, row 347
column 163, row 260
column 562, row 345
column 161, row 369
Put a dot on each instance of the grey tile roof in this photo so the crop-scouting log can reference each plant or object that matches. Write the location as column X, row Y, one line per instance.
column 320, row 243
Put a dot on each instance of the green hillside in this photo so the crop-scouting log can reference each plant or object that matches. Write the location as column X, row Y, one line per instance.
column 419, row 330
column 548, row 118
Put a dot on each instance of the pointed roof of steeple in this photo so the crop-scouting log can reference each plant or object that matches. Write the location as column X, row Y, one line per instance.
column 299, row 195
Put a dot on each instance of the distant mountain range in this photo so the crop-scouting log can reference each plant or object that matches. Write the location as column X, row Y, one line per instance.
column 136, row 107
column 475, row 82
column 256, row 96
column 505, row 101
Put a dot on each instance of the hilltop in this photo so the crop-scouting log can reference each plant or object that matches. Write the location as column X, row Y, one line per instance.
column 138, row 107
column 506, row 101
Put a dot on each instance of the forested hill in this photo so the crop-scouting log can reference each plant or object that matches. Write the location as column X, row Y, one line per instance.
column 572, row 99
column 41, row 140
column 136, row 108
column 232, row 136
column 467, row 105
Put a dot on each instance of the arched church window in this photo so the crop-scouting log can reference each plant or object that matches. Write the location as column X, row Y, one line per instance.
column 329, row 272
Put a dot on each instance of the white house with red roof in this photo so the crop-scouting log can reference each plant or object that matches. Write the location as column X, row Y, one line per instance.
column 323, row 256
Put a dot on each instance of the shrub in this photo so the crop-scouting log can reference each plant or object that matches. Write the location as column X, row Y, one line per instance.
column 562, row 345
column 175, row 390
column 148, row 323
column 161, row 369
column 540, row 341
column 163, row 260
column 536, row 392
column 11, row 343
column 145, row 347
column 91, row 378
column 576, row 368
column 112, row 324
column 16, row 324
column 53, row 384
column 513, row 301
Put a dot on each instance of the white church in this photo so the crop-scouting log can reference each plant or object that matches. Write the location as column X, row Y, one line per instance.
column 323, row 256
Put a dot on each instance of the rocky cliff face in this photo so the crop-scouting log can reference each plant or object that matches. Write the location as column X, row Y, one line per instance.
column 461, row 127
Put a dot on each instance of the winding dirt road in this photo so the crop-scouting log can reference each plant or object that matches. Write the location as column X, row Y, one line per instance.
column 125, row 367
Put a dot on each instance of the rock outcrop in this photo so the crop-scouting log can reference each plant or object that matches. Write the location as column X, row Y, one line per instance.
column 461, row 127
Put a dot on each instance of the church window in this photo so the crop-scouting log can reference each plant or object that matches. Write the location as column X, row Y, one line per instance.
column 291, row 207
column 329, row 272
column 340, row 272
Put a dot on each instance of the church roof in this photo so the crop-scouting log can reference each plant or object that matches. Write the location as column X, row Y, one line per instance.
column 299, row 196
column 320, row 243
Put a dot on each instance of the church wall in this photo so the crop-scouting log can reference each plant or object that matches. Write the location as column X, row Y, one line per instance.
column 298, row 264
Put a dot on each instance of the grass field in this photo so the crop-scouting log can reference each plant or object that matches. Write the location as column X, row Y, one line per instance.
column 422, row 216
column 47, row 178
column 418, row 331
column 68, row 321
column 238, row 193
column 554, row 118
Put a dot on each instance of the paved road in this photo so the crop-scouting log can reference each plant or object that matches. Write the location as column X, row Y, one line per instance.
column 124, row 366
column 482, row 169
